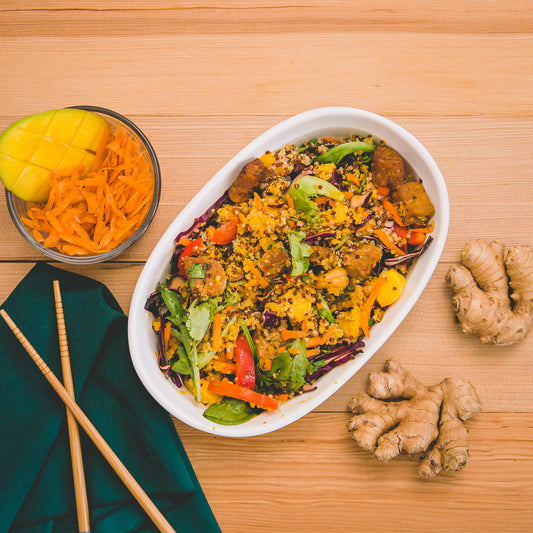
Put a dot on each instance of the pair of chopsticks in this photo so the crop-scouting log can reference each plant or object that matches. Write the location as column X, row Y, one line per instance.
column 74, row 413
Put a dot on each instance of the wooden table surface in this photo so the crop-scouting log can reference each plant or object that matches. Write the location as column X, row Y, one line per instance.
column 202, row 79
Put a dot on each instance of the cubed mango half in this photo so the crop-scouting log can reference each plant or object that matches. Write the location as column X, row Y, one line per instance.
column 33, row 147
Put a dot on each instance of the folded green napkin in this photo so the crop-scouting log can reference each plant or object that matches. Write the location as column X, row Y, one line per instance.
column 36, row 486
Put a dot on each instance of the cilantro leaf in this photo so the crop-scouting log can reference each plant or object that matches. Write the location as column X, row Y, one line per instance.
column 196, row 271
column 300, row 251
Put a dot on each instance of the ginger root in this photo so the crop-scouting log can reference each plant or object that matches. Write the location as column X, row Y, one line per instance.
column 481, row 288
column 416, row 419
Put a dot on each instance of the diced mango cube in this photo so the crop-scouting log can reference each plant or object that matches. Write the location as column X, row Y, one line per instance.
column 75, row 157
column 350, row 322
column 35, row 179
column 11, row 168
column 57, row 128
column 18, row 143
column 392, row 288
column 268, row 159
column 207, row 396
column 48, row 154
column 90, row 133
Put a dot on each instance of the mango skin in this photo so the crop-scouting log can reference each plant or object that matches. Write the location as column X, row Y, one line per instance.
column 392, row 288
column 33, row 147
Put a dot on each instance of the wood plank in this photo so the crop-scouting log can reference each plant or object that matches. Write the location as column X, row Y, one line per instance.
column 180, row 74
column 70, row 18
column 312, row 473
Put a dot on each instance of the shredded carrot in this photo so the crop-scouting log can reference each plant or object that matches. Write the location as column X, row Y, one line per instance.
column 267, row 364
column 217, row 330
column 315, row 341
column 287, row 334
column 258, row 203
column 387, row 241
column 383, row 191
column 369, row 304
column 293, row 351
column 391, row 209
column 257, row 275
column 230, row 352
column 353, row 178
column 328, row 334
column 281, row 349
column 321, row 200
column 224, row 367
column 283, row 397
column 167, row 333
column 184, row 241
column 93, row 213
column 313, row 352
column 290, row 202
column 427, row 229
column 330, row 140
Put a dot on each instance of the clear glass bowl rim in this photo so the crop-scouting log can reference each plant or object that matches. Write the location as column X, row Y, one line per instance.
column 98, row 258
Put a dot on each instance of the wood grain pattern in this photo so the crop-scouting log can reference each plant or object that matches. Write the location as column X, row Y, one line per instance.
column 204, row 78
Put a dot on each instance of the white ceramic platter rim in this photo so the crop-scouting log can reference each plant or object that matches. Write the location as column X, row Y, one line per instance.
column 333, row 121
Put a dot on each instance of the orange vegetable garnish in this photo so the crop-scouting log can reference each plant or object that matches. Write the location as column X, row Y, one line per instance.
column 95, row 212
column 369, row 304
column 287, row 334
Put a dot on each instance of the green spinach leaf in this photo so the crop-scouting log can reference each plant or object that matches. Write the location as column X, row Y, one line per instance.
column 230, row 411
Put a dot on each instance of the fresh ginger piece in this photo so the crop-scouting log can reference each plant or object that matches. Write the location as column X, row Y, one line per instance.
column 33, row 147
column 401, row 414
column 392, row 289
column 481, row 288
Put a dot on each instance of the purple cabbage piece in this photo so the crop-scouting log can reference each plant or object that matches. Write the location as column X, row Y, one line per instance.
column 338, row 357
column 271, row 320
column 335, row 178
column 203, row 218
column 275, row 205
column 154, row 303
column 163, row 363
column 298, row 169
column 313, row 239
column 417, row 252
column 175, row 378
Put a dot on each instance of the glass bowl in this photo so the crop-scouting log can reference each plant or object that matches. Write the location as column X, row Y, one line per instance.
column 18, row 208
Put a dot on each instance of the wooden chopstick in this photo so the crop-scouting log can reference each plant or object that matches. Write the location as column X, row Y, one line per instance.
column 138, row 493
column 80, row 490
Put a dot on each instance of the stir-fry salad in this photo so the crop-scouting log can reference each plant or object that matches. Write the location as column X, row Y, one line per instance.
column 281, row 279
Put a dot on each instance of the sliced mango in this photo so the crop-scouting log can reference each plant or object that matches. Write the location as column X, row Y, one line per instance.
column 392, row 288
column 33, row 147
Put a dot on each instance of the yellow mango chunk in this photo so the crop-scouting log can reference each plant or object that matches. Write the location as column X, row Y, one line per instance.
column 32, row 148
column 350, row 322
column 392, row 288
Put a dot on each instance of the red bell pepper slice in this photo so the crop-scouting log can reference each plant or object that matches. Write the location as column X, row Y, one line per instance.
column 225, row 388
column 244, row 359
column 223, row 234
column 197, row 244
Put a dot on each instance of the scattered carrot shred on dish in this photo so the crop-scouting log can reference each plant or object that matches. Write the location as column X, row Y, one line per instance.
column 93, row 213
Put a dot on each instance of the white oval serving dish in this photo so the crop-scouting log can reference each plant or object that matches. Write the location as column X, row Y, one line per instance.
column 332, row 121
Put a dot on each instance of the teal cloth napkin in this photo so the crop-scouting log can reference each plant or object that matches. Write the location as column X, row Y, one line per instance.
column 36, row 487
